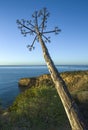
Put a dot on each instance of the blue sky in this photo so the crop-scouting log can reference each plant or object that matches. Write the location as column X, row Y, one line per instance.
column 69, row 47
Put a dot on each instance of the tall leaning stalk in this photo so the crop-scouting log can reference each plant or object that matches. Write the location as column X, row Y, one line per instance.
column 37, row 27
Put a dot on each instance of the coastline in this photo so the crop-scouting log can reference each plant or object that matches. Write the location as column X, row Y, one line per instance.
column 39, row 97
column 9, row 84
column 72, row 79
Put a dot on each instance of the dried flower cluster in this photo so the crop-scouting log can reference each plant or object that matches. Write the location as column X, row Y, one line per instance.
column 40, row 22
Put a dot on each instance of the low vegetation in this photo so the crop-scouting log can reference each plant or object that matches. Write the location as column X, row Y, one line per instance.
column 36, row 109
column 39, row 106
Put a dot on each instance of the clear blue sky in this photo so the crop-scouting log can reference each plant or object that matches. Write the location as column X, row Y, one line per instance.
column 69, row 47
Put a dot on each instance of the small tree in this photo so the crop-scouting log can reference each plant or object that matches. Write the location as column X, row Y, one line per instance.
column 37, row 27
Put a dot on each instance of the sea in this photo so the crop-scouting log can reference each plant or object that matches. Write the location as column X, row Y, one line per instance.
column 10, row 75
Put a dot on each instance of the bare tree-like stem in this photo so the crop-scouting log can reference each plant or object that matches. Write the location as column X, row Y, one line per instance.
column 75, row 118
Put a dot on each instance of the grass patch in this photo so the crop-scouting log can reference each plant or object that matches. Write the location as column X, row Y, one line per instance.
column 37, row 108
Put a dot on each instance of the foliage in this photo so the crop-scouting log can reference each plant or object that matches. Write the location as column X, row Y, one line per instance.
column 41, row 106
column 37, row 108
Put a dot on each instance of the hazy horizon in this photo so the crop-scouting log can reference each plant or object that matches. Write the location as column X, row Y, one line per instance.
column 45, row 65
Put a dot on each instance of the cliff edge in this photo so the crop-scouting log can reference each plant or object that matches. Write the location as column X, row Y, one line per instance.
column 76, row 81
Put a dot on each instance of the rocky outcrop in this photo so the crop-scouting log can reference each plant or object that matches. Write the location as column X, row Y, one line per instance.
column 36, row 81
column 76, row 81
column 27, row 82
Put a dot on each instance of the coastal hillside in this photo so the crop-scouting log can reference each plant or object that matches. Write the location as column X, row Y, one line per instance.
column 39, row 106
column 75, row 80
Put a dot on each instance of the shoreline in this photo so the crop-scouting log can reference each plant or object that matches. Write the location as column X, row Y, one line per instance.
column 39, row 102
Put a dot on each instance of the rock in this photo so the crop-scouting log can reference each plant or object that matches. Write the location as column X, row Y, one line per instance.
column 75, row 81
column 36, row 82
column 27, row 82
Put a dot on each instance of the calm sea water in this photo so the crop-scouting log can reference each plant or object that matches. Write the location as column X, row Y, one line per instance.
column 10, row 75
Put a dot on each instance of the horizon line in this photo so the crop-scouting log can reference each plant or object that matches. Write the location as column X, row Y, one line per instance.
column 46, row 65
